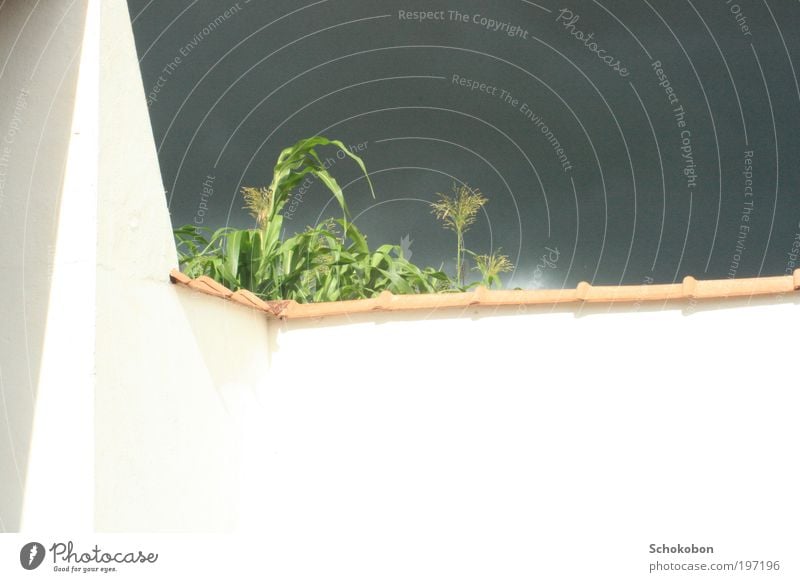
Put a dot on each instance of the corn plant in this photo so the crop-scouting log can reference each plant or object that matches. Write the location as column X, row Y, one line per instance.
column 318, row 264
column 490, row 266
column 457, row 213
column 328, row 262
column 293, row 165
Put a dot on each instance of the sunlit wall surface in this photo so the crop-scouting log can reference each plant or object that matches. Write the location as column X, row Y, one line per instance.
column 40, row 47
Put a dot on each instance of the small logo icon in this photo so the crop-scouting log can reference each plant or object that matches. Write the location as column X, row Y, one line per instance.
column 31, row 555
column 405, row 247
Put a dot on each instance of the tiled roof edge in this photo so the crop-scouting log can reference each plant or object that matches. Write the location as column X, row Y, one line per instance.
column 690, row 288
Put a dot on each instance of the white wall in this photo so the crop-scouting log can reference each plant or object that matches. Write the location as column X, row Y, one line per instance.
column 39, row 55
column 98, row 425
column 546, row 445
column 472, row 441
column 166, row 448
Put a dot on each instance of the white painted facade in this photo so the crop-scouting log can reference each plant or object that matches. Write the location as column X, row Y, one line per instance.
column 462, row 438
column 40, row 50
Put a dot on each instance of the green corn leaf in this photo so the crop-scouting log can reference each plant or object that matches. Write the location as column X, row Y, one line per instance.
column 232, row 252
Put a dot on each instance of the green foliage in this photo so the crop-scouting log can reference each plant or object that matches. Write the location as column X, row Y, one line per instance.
column 293, row 165
column 329, row 262
column 315, row 265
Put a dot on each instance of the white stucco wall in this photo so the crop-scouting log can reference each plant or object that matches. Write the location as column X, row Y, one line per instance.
column 478, row 433
column 512, row 446
column 166, row 449
column 39, row 55
column 91, row 327
column 489, row 444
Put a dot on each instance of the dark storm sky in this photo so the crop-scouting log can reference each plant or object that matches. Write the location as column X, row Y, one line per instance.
column 647, row 183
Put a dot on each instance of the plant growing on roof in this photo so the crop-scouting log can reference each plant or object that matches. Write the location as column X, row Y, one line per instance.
column 293, row 165
column 328, row 262
column 490, row 266
column 457, row 213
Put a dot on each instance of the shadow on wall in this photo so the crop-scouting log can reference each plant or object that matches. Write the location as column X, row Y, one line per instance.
column 173, row 389
column 232, row 340
column 41, row 42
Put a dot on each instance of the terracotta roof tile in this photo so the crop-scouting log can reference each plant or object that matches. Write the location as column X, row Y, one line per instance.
column 249, row 299
column 208, row 285
column 584, row 292
column 177, row 277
